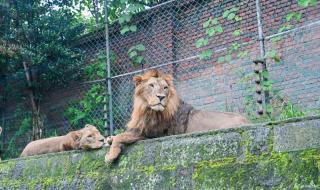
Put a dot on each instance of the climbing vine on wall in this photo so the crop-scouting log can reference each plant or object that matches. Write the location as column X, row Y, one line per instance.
column 279, row 107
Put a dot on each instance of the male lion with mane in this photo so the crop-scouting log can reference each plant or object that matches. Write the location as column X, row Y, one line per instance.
column 158, row 111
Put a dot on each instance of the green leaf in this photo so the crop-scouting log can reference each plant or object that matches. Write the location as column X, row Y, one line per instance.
column 237, row 18
column 234, row 9
column 305, row 3
column 298, row 16
column 219, row 29
column 210, row 32
column 276, row 39
column 231, row 16
column 214, row 21
column 265, row 74
column 133, row 28
column 100, row 73
column 226, row 13
column 221, row 59
column 124, row 30
column 235, row 46
column 202, row 42
column 228, row 58
column 125, row 18
column 133, row 54
column 269, row 108
column 289, row 16
column 206, row 54
column 285, row 27
column 313, row 2
column 99, row 99
column 139, row 59
column 206, row 24
column 210, row 22
column 242, row 54
column 293, row 15
column 140, row 47
column 236, row 32
column 271, row 53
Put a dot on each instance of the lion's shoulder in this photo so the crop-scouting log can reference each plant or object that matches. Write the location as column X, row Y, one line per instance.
column 181, row 117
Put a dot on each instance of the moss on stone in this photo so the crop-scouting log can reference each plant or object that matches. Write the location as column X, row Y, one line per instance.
column 220, row 160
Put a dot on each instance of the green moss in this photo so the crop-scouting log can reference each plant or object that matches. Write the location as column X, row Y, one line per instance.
column 168, row 168
column 148, row 170
column 7, row 167
column 299, row 168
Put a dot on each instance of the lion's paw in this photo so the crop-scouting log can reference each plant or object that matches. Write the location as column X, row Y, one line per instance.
column 108, row 140
column 109, row 158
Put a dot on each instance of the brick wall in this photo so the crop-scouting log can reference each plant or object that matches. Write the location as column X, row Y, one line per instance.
column 169, row 33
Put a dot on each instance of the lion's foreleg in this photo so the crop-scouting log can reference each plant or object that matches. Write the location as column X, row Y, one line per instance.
column 123, row 138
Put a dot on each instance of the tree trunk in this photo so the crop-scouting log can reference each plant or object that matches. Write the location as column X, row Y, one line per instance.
column 37, row 119
column 96, row 10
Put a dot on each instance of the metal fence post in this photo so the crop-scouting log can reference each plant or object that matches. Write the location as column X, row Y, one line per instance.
column 109, row 91
column 262, row 51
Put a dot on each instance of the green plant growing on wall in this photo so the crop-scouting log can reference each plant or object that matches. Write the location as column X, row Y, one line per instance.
column 88, row 109
column 212, row 27
column 288, row 110
column 23, row 121
column 134, row 53
column 83, row 111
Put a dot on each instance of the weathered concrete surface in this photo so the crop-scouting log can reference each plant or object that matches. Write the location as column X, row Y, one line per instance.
column 282, row 155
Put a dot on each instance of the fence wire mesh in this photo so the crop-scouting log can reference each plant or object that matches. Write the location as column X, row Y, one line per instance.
column 208, row 46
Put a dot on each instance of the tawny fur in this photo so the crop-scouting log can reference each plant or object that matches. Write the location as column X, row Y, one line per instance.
column 155, row 91
column 86, row 138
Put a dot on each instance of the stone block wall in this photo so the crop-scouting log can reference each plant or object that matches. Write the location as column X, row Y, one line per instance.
column 281, row 155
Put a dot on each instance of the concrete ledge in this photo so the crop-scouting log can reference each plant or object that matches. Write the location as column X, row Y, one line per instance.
column 277, row 155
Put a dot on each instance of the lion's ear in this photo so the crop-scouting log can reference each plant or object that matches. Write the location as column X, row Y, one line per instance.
column 75, row 135
column 168, row 78
column 137, row 79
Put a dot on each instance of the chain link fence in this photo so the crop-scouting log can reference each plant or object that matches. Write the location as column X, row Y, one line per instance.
column 208, row 46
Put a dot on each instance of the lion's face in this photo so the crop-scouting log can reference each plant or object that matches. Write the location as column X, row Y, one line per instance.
column 90, row 138
column 155, row 92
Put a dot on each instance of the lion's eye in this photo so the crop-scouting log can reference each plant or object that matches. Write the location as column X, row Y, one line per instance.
column 166, row 87
column 90, row 136
column 151, row 85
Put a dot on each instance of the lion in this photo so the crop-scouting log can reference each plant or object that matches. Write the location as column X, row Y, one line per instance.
column 158, row 111
column 86, row 138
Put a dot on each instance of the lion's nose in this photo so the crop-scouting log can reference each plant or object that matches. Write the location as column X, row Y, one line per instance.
column 161, row 97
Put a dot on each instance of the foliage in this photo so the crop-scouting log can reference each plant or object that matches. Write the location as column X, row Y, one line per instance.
column 81, row 112
column 212, row 27
column 279, row 107
column 23, row 120
column 135, row 54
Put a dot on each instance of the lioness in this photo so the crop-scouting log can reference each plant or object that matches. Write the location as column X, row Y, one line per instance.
column 87, row 138
column 158, row 111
